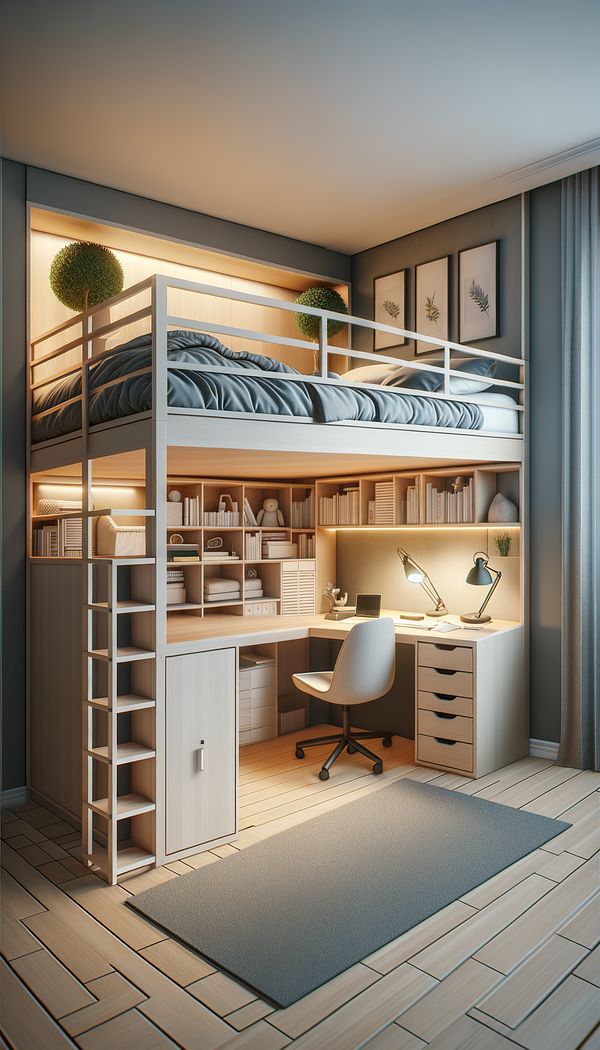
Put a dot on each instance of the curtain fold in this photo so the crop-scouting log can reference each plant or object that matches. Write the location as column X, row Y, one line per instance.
column 580, row 636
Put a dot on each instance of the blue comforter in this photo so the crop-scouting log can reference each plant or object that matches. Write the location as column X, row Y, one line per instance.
column 323, row 403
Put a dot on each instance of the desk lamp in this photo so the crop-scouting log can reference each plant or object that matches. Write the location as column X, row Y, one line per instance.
column 480, row 576
column 415, row 574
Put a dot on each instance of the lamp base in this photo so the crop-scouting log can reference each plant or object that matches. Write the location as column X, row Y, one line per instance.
column 474, row 618
column 438, row 612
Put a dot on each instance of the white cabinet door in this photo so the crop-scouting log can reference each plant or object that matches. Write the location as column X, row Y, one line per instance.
column 201, row 748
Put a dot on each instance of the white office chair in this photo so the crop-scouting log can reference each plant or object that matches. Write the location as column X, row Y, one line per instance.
column 364, row 671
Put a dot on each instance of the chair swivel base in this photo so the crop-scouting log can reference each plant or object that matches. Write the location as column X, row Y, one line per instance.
column 346, row 741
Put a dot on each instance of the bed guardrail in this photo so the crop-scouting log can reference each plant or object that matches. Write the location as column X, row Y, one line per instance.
column 87, row 335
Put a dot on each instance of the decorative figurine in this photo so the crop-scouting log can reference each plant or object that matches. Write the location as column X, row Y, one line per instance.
column 338, row 609
column 270, row 514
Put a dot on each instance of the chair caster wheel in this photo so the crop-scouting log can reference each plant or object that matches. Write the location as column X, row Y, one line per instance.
column 387, row 741
column 299, row 752
column 351, row 750
column 323, row 774
column 378, row 768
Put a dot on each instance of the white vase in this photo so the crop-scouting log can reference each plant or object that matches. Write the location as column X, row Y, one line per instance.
column 502, row 509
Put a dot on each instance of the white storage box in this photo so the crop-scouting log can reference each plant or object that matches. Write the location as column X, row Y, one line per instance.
column 176, row 594
column 264, row 607
column 119, row 541
column 273, row 549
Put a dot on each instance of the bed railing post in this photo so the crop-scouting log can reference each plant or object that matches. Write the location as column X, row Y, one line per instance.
column 323, row 348
column 446, row 368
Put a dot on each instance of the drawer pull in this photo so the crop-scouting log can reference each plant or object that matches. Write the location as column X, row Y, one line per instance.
column 443, row 714
column 445, row 696
column 447, row 743
column 445, row 670
column 448, row 648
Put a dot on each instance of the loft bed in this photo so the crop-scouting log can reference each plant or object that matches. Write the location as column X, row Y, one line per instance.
column 140, row 358
column 146, row 372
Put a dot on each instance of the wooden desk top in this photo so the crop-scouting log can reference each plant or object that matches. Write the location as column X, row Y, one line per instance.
column 191, row 633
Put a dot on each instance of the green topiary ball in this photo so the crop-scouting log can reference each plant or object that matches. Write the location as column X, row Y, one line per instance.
column 84, row 274
column 323, row 298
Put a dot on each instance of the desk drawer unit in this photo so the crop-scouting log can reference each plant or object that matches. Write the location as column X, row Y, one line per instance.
column 257, row 703
column 446, row 706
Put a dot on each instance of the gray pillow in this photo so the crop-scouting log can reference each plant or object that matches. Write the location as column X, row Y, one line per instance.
column 434, row 381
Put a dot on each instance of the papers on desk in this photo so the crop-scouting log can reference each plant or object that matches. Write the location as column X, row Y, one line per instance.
column 419, row 625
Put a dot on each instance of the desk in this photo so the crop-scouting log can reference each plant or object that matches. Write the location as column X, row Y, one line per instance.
column 470, row 714
column 470, row 711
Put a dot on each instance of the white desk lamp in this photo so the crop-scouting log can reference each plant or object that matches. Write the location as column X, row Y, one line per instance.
column 415, row 574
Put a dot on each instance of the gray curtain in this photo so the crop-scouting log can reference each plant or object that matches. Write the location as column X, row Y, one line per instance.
column 580, row 645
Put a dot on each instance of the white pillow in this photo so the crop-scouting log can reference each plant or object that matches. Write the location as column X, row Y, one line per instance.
column 371, row 373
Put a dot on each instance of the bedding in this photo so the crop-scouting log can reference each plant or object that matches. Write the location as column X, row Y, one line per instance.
column 265, row 394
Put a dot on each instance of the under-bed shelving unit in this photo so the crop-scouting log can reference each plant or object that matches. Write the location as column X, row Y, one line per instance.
column 128, row 625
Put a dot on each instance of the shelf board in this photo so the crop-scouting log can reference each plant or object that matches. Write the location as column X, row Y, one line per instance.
column 183, row 606
column 103, row 559
column 120, row 512
column 129, row 858
column 126, row 753
column 429, row 525
column 126, row 702
column 223, row 528
column 127, row 806
column 183, row 528
column 303, row 528
column 60, row 516
column 125, row 654
column 121, row 607
column 221, row 605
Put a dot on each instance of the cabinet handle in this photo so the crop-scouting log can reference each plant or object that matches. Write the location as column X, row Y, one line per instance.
column 201, row 757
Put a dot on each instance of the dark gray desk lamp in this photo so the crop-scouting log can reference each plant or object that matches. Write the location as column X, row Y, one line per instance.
column 480, row 576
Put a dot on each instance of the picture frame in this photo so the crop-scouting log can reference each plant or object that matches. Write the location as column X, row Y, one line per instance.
column 478, row 293
column 389, row 307
column 432, row 297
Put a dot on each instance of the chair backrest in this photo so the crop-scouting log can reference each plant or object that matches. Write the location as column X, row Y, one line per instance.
column 366, row 664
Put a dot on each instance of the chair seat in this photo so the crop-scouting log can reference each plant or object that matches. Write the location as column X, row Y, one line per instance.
column 316, row 682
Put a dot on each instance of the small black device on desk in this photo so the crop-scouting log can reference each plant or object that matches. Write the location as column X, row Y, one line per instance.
column 368, row 605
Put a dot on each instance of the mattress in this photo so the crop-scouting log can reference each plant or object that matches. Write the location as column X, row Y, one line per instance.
column 502, row 417
column 266, row 393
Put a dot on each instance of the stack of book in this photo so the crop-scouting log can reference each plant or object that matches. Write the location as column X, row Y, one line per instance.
column 175, row 587
column 249, row 515
column 220, row 555
column 384, row 503
column 223, row 518
column 343, row 508
column 191, row 510
column 174, row 513
column 277, row 545
column 448, row 507
column 303, row 512
column 306, row 545
column 184, row 553
column 62, row 540
column 410, row 506
column 253, row 546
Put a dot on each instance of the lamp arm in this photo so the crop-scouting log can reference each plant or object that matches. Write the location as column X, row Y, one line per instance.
column 432, row 593
column 492, row 588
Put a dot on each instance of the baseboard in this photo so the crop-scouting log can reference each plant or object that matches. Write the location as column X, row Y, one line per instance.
column 13, row 795
column 543, row 749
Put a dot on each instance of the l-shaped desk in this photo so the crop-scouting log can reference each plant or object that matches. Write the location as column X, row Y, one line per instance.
column 470, row 704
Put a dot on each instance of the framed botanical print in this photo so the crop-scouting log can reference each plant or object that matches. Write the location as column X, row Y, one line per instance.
column 478, row 293
column 431, row 308
column 389, row 307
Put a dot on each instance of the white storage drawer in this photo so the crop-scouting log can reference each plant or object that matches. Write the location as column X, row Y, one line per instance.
column 440, row 751
column 451, row 727
column 265, row 697
column 452, row 705
column 450, row 683
column 266, row 733
column 444, row 655
column 261, row 676
column 263, row 716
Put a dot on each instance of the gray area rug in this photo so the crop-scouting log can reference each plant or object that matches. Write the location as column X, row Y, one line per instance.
column 288, row 914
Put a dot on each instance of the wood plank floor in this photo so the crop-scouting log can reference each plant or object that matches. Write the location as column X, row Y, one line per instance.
column 516, row 962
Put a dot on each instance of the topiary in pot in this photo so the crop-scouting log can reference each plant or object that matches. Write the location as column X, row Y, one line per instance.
column 84, row 274
column 323, row 298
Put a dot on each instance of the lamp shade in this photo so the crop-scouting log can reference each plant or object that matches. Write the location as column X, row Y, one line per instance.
column 412, row 573
column 479, row 575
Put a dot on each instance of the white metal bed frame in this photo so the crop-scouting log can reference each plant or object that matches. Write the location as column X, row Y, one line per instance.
column 162, row 426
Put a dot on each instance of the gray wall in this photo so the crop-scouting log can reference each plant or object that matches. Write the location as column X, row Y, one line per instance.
column 497, row 222
column 13, row 473
column 502, row 221
column 545, row 461
column 21, row 184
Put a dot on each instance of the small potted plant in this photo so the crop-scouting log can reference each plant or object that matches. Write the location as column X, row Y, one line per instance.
column 84, row 274
column 503, row 543
column 322, row 297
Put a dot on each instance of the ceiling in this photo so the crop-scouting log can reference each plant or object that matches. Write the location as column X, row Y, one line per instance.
column 345, row 123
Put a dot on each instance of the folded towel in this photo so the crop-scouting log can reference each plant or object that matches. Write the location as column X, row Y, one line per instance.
column 212, row 586
column 254, row 594
column 222, row 596
column 253, row 585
